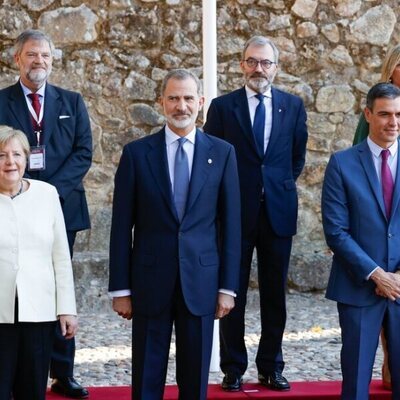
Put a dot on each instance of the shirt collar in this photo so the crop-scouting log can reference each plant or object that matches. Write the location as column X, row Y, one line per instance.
column 252, row 93
column 27, row 91
column 171, row 136
column 376, row 150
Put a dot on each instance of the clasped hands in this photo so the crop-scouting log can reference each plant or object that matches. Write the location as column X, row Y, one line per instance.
column 387, row 284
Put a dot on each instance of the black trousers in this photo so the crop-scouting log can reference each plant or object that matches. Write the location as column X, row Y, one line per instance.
column 25, row 350
column 273, row 254
column 63, row 355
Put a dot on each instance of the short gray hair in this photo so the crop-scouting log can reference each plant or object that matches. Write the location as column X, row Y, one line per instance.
column 7, row 134
column 261, row 41
column 180, row 75
column 31, row 34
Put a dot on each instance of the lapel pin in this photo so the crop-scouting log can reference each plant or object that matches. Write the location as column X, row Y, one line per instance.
column 280, row 110
column 209, row 161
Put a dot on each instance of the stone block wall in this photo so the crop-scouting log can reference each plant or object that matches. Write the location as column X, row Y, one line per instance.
column 116, row 52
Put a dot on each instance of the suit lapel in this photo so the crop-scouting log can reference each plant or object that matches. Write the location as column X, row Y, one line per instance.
column 21, row 112
column 242, row 113
column 52, row 108
column 200, row 168
column 278, row 111
column 158, row 164
column 369, row 168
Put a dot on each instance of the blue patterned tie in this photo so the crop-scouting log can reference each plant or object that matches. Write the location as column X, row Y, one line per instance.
column 181, row 179
column 259, row 124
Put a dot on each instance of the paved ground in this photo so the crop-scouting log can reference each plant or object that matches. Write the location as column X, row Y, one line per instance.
column 311, row 344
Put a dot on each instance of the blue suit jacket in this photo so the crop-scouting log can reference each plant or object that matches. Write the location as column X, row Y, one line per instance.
column 355, row 225
column 68, row 144
column 203, row 250
column 228, row 118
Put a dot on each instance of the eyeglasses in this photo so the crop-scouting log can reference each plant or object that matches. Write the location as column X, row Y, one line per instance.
column 253, row 63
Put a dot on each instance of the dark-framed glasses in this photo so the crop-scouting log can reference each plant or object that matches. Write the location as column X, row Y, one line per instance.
column 253, row 63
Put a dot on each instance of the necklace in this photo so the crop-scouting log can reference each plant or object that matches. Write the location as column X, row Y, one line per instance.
column 13, row 196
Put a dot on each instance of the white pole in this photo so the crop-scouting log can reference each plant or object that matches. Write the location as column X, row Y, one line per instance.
column 210, row 91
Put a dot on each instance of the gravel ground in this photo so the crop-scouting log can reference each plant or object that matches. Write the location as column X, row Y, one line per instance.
column 311, row 344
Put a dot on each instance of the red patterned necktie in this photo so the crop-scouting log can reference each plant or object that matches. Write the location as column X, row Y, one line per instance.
column 387, row 182
column 35, row 102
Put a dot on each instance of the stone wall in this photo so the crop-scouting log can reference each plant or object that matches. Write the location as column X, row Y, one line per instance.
column 116, row 52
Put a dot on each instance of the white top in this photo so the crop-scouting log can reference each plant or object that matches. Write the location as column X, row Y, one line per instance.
column 377, row 159
column 35, row 263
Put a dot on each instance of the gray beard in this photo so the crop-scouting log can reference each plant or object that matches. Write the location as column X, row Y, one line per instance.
column 38, row 77
column 259, row 85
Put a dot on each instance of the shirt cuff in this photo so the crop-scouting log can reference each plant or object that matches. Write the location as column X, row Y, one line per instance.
column 226, row 291
column 120, row 293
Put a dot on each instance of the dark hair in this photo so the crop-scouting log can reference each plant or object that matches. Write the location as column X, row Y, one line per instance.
column 31, row 34
column 382, row 90
column 180, row 75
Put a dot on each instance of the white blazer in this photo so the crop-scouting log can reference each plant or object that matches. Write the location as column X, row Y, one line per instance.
column 35, row 263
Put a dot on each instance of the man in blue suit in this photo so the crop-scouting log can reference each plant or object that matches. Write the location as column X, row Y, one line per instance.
column 268, row 130
column 57, row 126
column 361, row 218
column 178, row 190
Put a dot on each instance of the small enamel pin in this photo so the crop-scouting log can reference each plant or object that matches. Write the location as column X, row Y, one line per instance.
column 280, row 110
column 209, row 161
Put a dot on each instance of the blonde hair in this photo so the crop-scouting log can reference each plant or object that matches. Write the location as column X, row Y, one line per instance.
column 390, row 62
column 7, row 133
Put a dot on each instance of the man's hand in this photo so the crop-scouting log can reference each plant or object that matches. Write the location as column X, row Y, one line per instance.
column 123, row 306
column 387, row 284
column 69, row 325
column 225, row 304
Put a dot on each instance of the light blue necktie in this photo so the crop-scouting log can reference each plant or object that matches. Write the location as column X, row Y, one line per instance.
column 259, row 124
column 181, row 178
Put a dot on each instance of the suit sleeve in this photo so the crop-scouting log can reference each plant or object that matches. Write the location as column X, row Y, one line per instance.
column 300, row 141
column 123, row 220
column 230, row 225
column 77, row 164
column 336, row 224
column 214, row 125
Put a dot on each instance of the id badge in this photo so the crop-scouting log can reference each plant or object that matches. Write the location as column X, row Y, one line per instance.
column 37, row 159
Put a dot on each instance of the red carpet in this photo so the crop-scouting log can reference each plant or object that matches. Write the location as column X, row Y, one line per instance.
column 300, row 391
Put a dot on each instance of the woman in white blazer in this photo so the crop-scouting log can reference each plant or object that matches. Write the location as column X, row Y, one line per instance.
column 36, row 281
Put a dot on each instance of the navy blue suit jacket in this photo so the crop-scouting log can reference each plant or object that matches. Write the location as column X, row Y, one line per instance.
column 356, row 227
column 68, row 142
column 203, row 251
column 228, row 118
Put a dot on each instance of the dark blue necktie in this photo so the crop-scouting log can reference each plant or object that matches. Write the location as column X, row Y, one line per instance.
column 259, row 124
column 181, row 179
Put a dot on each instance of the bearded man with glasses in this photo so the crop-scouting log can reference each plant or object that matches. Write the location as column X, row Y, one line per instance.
column 268, row 130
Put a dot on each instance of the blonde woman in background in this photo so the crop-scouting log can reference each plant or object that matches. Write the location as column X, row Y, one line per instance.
column 390, row 73
column 36, row 285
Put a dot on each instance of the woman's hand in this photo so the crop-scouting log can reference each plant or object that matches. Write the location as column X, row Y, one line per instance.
column 69, row 325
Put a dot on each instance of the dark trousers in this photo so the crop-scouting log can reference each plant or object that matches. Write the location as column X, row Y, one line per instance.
column 273, row 254
column 25, row 349
column 63, row 355
column 361, row 327
column 151, row 337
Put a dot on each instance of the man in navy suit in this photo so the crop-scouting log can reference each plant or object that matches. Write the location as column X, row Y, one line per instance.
column 268, row 130
column 57, row 126
column 178, row 190
column 361, row 218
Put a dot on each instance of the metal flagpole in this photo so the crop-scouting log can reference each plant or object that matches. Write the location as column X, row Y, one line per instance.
column 210, row 91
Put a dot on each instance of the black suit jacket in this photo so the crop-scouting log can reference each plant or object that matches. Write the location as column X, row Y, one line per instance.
column 228, row 118
column 68, row 140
